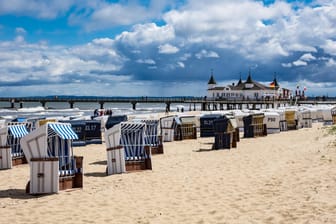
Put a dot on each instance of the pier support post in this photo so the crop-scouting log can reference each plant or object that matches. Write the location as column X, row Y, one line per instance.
column 204, row 106
column 101, row 105
column 194, row 106
column 134, row 105
column 43, row 103
column 21, row 104
column 71, row 104
column 12, row 103
column 221, row 107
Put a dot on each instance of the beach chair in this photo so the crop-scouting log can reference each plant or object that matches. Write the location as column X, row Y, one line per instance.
column 254, row 126
column 93, row 132
column 168, row 125
column 206, row 124
column 11, row 153
column 187, row 128
column 225, row 134
column 272, row 121
column 126, row 148
column 306, row 121
column 327, row 116
column 333, row 114
column 291, row 120
column 152, row 137
column 53, row 166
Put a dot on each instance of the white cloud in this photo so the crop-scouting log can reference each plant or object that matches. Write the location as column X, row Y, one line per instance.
column 307, row 57
column 331, row 63
column 20, row 31
column 168, row 49
column 36, row 8
column 286, row 65
column 206, row 54
column 180, row 64
column 330, row 47
column 146, row 61
column 300, row 63
column 144, row 34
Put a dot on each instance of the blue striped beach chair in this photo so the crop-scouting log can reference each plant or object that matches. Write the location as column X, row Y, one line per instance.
column 152, row 137
column 126, row 148
column 11, row 153
column 53, row 166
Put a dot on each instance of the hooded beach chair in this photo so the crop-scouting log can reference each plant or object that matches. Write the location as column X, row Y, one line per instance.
column 168, row 127
column 78, row 126
column 291, row 119
column 306, row 121
column 11, row 153
column 254, row 125
column 126, row 148
column 206, row 124
column 49, row 152
column 152, row 137
column 187, row 127
column 225, row 132
column 93, row 132
column 272, row 121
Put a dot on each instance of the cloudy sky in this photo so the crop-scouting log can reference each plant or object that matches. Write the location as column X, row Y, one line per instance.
column 164, row 47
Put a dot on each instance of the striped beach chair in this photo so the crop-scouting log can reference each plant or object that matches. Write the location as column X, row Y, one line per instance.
column 152, row 137
column 11, row 153
column 49, row 152
column 126, row 148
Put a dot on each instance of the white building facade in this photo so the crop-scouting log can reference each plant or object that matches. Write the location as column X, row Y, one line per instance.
column 248, row 90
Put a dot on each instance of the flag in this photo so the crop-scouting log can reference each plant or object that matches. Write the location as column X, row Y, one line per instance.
column 305, row 88
column 272, row 84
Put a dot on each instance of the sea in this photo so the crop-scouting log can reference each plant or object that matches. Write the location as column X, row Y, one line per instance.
column 83, row 110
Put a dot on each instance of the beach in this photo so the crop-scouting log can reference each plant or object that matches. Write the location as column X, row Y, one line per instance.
column 289, row 177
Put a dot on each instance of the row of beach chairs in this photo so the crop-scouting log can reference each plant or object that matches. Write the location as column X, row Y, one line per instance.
column 130, row 144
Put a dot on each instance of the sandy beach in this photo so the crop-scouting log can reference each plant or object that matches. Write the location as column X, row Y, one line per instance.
column 288, row 177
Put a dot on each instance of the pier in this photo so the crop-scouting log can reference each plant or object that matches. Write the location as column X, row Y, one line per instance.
column 206, row 104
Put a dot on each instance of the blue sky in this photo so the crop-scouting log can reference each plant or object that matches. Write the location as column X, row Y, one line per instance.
column 164, row 47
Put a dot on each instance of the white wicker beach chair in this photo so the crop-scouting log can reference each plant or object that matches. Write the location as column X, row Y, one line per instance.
column 53, row 166
column 126, row 148
column 10, row 148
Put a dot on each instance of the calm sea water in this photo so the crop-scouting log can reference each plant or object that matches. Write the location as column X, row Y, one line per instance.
column 55, row 109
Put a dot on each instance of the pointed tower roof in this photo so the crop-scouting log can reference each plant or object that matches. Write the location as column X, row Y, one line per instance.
column 240, row 80
column 212, row 79
column 249, row 79
column 276, row 84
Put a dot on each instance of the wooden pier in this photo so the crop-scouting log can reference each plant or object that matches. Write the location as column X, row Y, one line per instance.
column 206, row 104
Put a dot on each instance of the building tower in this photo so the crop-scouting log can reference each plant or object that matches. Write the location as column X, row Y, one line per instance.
column 212, row 83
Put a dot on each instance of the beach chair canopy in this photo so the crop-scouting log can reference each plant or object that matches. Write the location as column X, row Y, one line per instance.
column 113, row 120
column 36, row 143
column 12, row 131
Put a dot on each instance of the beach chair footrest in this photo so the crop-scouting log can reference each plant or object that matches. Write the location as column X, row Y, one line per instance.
column 157, row 149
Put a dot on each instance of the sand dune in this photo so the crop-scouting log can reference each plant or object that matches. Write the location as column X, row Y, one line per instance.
column 288, row 177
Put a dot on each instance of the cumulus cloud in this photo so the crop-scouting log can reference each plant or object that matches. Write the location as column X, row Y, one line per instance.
column 300, row 63
column 146, row 61
column 167, row 49
column 144, row 34
column 36, row 8
column 206, row 54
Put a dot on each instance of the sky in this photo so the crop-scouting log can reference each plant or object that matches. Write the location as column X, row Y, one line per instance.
column 164, row 47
